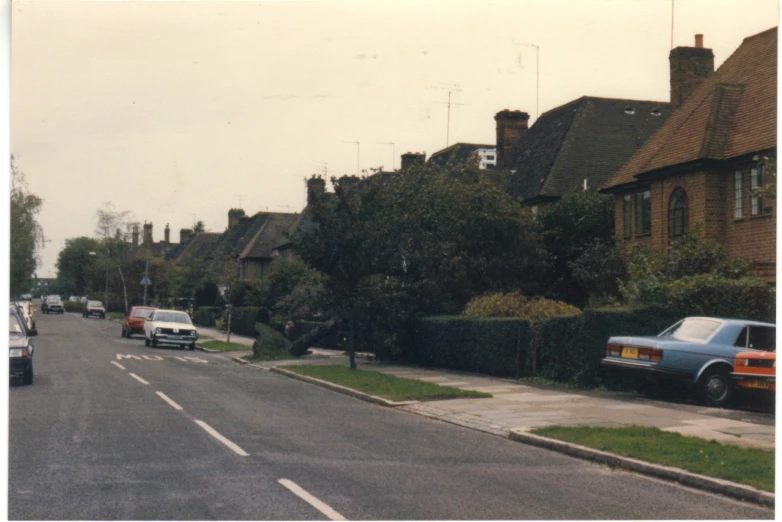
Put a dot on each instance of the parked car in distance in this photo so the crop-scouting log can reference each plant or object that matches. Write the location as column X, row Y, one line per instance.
column 134, row 322
column 27, row 310
column 20, row 346
column 52, row 305
column 699, row 350
column 756, row 371
column 27, row 297
column 170, row 327
column 94, row 308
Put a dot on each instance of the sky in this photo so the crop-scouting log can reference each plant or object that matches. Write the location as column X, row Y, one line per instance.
column 179, row 111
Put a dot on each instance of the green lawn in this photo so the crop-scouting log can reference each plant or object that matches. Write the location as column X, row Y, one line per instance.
column 115, row 315
column 222, row 346
column 268, row 355
column 383, row 385
column 750, row 466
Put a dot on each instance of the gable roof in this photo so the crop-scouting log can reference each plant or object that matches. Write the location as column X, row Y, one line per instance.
column 197, row 247
column 456, row 153
column 588, row 138
column 273, row 230
column 731, row 114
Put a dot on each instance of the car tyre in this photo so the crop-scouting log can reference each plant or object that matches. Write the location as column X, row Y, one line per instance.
column 124, row 334
column 146, row 341
column 715, row 387
column 192, row 347
column 27, row 377
column 154, row 342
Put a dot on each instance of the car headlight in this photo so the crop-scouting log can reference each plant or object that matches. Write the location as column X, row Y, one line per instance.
column 158, row 330
column 19, row 352
column 193, row 333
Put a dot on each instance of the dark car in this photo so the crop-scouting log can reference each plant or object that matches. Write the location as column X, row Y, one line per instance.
column 134, row 322
column 52, row 305
column 20, row 346
column 699, row 350
column 94, row 308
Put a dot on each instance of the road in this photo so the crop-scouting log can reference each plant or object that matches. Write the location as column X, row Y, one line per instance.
column 112, row 429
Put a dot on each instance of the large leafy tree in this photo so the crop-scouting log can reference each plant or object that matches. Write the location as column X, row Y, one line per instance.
column 113, row 229
column 77, row 270
column 26, row 232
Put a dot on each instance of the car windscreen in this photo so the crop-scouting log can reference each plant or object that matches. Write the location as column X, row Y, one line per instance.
column 144, row 313
column 95, row 304
column 698, row 330
column 172, row 317
column 14, row 326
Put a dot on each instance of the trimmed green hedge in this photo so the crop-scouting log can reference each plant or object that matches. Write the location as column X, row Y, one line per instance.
column 494, row 346
column 73, row 306
column 243, row 319
column 206, row 315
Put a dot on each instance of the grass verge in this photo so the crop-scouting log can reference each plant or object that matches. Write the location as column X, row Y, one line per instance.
column 750, row 466
column 383, row 385
column 115, row 315
column 222, row 346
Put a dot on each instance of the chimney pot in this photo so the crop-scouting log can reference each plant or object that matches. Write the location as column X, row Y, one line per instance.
column 412, row 158
column 511, row 125
column 699, row 41
column 316, row 186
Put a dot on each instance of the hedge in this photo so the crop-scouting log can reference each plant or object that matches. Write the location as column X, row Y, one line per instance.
column 207, row 315
column 303, row 327
column 243, row 319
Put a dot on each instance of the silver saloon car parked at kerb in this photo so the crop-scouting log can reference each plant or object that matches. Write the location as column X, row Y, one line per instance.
column 170, row 327
column 699, row 350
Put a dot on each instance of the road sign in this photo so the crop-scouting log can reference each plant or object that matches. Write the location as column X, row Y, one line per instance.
column 146, row 281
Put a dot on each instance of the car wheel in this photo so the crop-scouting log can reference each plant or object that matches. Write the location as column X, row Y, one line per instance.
column 715, row 387
column 154, row 342
column 192, row 347
column 146, row 341
column 27, row 378
column 123, row 334
column 62, row 312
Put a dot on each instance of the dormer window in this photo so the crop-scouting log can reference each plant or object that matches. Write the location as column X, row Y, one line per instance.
column 629, row 111
column 656, row 112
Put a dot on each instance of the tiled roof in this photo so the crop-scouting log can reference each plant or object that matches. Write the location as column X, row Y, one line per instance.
column 587, row 138
column 198, row 247
column 456, row 153
column 732, row 113
column 269, row 235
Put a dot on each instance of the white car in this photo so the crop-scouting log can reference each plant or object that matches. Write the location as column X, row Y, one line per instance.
column 170, row 327
column 28, row 312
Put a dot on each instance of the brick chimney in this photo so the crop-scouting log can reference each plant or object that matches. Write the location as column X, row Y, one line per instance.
column 233, row 216
column 316, row 186
column 689, row 67
column 147, row 233
column 347, row 183
column 412, row 158
column 134, row 236
column 185, row 235
column 511, row 125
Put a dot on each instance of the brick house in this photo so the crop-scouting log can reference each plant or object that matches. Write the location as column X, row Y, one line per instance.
column 700, row 168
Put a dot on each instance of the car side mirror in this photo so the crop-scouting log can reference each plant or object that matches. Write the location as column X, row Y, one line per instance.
column 32, row 332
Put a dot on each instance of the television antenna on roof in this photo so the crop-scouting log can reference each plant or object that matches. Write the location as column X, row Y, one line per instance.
column 451, row 89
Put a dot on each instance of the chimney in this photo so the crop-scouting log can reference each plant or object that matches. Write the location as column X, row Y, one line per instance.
column 689, row 67
column 185, row 235
column 316, row 186
column 134, row 236
column 346, row 183
column 167, row 234
column 412, row 158
column 147, row 233
column 233, row 216
column 511, row 125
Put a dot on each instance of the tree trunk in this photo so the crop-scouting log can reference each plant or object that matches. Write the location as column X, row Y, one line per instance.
column 300, row 345
column 124, row 288
column 352, row 339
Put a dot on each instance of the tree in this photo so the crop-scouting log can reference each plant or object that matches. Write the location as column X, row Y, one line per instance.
column 76, row 268
column 199, row 227
column 26, row 232
column 112, row 229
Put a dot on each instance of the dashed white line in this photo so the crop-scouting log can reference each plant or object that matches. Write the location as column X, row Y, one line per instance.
column 169, row 401
column 139, row 379
column 118, row 365
column 312, row 501
column 211, row 431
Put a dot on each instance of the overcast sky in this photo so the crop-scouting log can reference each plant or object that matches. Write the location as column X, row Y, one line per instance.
column 178, row 111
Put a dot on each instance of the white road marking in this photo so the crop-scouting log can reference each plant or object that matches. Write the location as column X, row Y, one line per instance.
column 211, row 431
column 139, row 379
column 118, row 365
column 312, row 501
column 172, row 403
column 120, row 357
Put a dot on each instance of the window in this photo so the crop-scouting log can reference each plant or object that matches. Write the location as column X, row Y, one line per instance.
column 756, row 180
column 489, row 157
column 677, row 214
column 760, row 338
column 643, row 212
column 627, row 215
column 738, row 194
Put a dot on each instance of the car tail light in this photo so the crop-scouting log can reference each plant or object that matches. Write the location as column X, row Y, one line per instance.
column 741, row 362
column 613, row 350
column 650, row 354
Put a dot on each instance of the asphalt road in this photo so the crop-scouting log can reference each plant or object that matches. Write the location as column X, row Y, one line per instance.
column 112, row 429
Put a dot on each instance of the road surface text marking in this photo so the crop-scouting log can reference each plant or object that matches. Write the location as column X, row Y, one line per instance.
column 211, row 431
column 172, row 403
column 312, row 501
column 139, row 379
column 118, row 365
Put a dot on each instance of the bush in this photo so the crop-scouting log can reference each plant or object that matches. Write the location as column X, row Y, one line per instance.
column 516, row 305
column 243, row 319
column 745, row 298
column 269, row 343
column 206, row 315
column 302, row 328
column 73, row 306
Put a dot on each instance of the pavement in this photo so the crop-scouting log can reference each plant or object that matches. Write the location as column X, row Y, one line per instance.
column 516, row 408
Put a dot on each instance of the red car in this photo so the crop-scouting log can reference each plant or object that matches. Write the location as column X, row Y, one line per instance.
column 755, row 370
column 134, row 322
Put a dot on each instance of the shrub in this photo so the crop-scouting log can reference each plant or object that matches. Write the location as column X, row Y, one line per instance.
column 269, row 343
column 206, row 315
column 243, row 319
column 73, row 306
column 516, row 305
column 745, row 298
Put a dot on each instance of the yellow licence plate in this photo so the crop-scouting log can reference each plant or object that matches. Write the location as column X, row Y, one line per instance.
column 760, row 385
column 630, row 352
